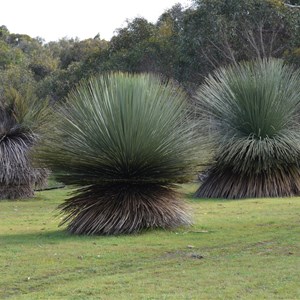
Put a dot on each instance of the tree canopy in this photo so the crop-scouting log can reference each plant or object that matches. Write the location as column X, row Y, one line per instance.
column 184, row 44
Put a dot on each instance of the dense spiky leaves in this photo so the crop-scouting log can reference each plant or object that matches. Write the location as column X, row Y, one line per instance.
column 128, row 138
column 252, row 113
column 19, row 119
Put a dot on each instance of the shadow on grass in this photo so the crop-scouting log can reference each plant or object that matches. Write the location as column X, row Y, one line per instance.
column 189, row 192
column 63, row 236
column 192, row 198
column 51, row 237
column 58, row 236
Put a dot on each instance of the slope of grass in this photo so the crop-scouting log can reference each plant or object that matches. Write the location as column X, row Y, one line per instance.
column 248, row 249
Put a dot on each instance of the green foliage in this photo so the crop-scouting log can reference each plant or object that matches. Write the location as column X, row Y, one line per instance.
column 16, row 77
column 131, row 49
column 4, row 32
column 252, row 113
column 127, row 139
column 28, row 111
column 72, row 60
column 9, row 55
column 128, row 124
column 217, row 33
column 184, row 44
column 292, row 53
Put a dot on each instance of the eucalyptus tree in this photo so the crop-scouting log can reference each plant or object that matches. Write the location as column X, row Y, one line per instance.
column 124, row 141
column 251, row 113
column 216, row 33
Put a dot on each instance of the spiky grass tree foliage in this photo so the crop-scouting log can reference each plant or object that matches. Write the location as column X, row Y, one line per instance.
column 125, row 140
column 251, row 112
column 19, row 121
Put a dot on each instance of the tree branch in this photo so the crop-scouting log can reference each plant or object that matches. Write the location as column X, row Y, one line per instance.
column 291, row 5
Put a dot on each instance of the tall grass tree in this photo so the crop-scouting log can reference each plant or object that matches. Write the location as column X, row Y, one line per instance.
column 251, row 114
column 20, row 125
column 125, row 141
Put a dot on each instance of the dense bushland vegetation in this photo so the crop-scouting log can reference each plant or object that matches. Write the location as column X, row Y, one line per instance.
column 184, row 44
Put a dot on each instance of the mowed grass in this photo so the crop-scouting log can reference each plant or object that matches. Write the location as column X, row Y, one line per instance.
column 246, row 249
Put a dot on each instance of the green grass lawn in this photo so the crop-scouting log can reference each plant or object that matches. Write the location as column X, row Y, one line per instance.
column 246, row 249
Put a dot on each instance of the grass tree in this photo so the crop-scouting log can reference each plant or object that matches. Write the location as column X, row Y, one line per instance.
column 251, row 114
column 20, row 121
column 124, row 141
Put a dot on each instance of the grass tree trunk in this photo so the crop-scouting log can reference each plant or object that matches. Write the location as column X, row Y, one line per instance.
column 124, row 208
column 18, row 179
column 20, row 120
column 281, row 182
